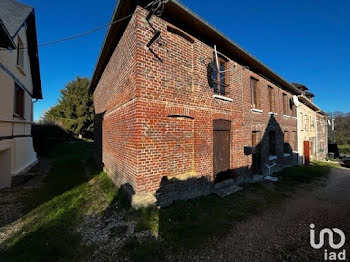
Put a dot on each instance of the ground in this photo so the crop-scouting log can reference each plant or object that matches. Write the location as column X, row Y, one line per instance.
column 72, row 212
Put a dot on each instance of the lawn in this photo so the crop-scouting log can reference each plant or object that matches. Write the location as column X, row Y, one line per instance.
column 344, row 149
column 74, row 191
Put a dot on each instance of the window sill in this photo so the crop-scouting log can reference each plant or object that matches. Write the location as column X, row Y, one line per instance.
column 295, row 118
column 21, row 70
column 286, row 155
column 224, row 98
column 272, row 157
column 256, row 110
column 273, row 113
column 18, row 116
column 286, row 116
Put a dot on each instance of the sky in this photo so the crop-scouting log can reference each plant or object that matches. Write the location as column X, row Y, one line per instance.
column 304, row 41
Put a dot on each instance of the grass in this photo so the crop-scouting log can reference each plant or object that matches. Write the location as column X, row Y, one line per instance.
column 73, row 190
column 46, row 233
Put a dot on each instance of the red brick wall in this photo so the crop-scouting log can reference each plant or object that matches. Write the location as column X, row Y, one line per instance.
column 115, row 101
column 159, row 115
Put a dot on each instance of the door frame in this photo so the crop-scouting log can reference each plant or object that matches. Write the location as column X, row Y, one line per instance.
column 222, row 125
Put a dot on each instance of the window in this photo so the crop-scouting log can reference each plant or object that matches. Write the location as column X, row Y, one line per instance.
column 294, row 109
column 306, row 123
column 20, row 53
column 295, row 137
column 220, row 79
column 19, row 101
column 285, row 104
column 286, row 142
column 272, row 143
column 271, row 99
column 255, row 138
column 254, row 92
column 301, row 121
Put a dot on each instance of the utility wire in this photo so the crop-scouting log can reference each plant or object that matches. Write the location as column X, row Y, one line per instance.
column 87, row 32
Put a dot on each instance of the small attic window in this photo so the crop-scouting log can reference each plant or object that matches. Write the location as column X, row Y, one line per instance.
column 20, row 53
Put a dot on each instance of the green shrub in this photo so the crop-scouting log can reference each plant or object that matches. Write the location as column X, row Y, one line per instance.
column 344, row 149
column 46, row 135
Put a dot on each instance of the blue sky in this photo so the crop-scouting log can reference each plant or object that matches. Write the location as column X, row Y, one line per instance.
column 306, row 41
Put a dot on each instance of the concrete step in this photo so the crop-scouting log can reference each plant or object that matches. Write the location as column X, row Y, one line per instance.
column 227, row 190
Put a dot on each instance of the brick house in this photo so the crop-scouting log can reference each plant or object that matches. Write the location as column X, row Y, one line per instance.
column 167, row 124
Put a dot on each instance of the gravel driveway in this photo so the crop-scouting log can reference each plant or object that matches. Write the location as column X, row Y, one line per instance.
column 283, row 234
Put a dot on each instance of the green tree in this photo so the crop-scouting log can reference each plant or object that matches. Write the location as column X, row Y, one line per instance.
column 74, row 111
column 342, row 128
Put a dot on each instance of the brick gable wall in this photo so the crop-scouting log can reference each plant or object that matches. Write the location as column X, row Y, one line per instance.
column 158, row 112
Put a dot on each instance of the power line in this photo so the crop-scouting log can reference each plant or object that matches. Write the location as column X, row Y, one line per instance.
column 155, row 2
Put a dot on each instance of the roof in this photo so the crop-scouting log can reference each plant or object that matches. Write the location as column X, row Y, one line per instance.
column 5, row 38
column 309, row 94
column 179, row 15
column 300, row 86
column 13, row 16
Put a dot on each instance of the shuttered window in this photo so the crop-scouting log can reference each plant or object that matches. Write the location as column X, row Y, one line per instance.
column 254, row 93
column 20, row 53
column 19, row 101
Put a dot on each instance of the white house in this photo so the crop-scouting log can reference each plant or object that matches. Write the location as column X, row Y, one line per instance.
column 20, row 86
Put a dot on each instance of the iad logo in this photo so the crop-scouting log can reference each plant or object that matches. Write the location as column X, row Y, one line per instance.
column 339, row 255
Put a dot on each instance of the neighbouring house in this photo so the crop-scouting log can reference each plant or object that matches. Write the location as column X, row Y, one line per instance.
column 312, row 128
column 20, row 84
column 174, row 117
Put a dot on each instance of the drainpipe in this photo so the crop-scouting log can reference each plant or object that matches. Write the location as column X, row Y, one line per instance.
column 298, row 149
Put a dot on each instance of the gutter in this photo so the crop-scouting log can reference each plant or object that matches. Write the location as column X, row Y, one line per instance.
column 309, row 103
column 171, row 7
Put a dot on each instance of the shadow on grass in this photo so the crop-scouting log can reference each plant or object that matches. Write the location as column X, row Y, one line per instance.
column 187, row 224
column 71, row 165
column 47, row 232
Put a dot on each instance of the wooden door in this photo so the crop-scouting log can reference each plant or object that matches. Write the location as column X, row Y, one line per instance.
column 221, row 146
column 307, row 152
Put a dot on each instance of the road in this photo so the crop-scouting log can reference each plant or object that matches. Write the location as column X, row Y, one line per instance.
column 283, row 234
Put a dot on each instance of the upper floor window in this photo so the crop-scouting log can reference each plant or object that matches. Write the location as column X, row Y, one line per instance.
column 19, row 101
column 220, row 78
column 307, row 123
column 301, row 121
column 285, row 104
column 254, row 93
column 294, row 109
column 271, row 99
column 20, row 53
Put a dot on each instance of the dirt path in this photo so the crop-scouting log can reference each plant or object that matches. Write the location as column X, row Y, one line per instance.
column 12, row 200
column 283, row 234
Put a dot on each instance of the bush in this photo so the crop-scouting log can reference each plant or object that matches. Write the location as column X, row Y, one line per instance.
column 344, row 149
column 46, row 135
